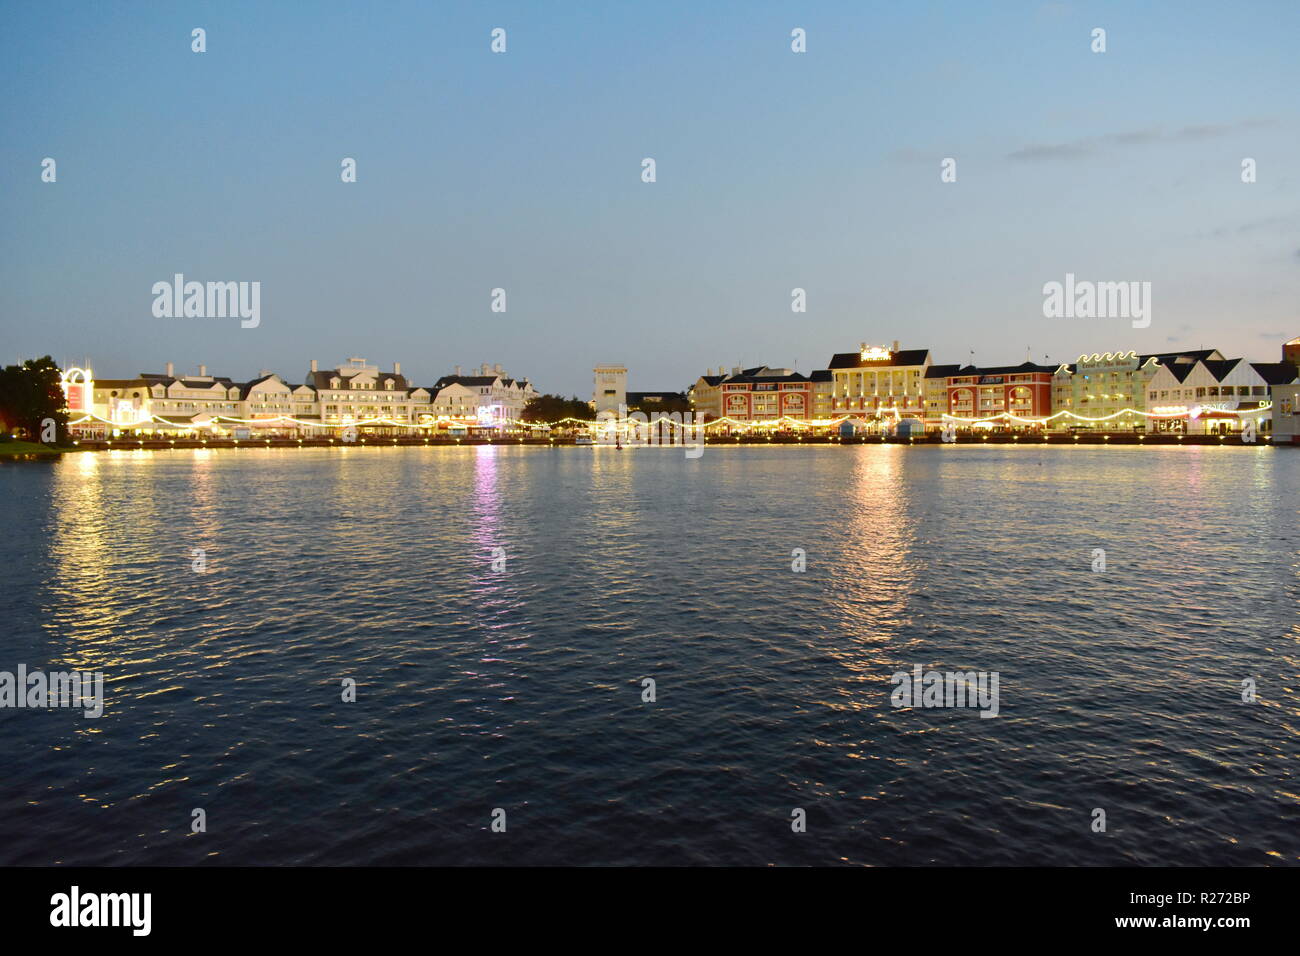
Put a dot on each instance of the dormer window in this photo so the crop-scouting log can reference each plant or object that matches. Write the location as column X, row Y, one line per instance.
column 334, row 383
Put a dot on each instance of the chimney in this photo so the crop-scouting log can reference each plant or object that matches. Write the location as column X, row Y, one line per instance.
column 263, row 373
column 458, row 371
column 498, row 369
column 171, row 370
column 203, row 371
column 313, row 365
column 895, row 345
column 397, row 368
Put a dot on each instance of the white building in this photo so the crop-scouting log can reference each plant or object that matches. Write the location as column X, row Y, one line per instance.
column 610, row 389
column 1208, row 396
column 357, row 391
column 1286, row 414
column 489, row 397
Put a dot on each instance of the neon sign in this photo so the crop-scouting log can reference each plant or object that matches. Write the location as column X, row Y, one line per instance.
column 77, row 389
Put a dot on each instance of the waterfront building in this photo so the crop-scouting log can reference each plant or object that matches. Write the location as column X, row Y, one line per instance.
column 937, row 401
column 822, row 382
column 357, row 391
column 1208, row 396
column 609, row 392
column 490, row 397
column 765, row 397
column 879, row 383
column 1291, row 351
column 705, row 395
column 1102, row 386
column 1024, row 391
column 1286, row 414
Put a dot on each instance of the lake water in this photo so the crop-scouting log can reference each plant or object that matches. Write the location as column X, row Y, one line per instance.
column 521, row 688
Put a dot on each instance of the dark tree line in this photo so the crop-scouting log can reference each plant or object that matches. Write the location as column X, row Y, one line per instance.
column 29, row 394
column 552, row 408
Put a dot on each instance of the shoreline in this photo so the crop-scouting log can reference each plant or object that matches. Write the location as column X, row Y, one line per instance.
column 28, row 451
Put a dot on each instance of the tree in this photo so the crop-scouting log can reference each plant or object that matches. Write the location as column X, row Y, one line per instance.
column 31, row 393
column 552, row 408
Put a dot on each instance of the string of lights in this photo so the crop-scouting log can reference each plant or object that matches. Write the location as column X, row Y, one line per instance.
column 623, row 425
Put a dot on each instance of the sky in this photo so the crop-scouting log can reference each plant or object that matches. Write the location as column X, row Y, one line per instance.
column 522, row 171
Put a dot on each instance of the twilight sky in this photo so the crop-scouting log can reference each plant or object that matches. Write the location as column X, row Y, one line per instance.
column 522, row 170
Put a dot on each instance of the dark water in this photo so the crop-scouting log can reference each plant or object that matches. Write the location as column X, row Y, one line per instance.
column 521, row 689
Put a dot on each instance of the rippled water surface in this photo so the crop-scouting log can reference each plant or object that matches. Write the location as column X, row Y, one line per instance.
column 521, row 689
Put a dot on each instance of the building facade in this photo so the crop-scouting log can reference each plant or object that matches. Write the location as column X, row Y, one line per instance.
column 609, row 389
column 1105, row 391
column 354, row 393
column 879, row 384
column 970, row 392
column 767, row 397
column 1209, row 397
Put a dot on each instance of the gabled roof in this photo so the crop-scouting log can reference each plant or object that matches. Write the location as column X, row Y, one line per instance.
column 247, row 387
column 1220, row 368
column 1024, row 368
column 167, row 381
column 821, row 375
column 711, row 379
column 941, row 371
column 320, row 380
column 1276, row 373
column 1180, row 371
column 901, row 357
column 1171, row 358
column 470, row 381
column 751, row 379
column 121, row 383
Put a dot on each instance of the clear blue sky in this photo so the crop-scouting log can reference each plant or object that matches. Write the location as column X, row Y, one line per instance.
column 522, row 171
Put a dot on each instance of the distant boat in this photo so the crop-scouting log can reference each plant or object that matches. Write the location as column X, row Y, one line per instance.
column 584, row 440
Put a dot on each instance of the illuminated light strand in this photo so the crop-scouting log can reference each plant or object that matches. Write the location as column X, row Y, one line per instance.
column 1105, row 418
column 624, row 425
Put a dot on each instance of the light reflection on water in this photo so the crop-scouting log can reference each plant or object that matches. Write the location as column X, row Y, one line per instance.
column 522, row 688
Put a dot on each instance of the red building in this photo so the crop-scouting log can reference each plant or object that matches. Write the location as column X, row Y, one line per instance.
column 760, row 398
column 1022, row 390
